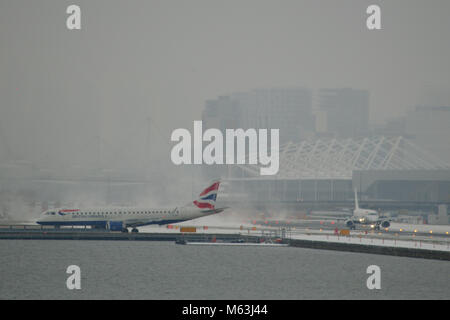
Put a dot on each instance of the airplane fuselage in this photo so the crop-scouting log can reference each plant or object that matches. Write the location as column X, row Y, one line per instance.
column 130, row 217
column 121, row 218
column 365, row 216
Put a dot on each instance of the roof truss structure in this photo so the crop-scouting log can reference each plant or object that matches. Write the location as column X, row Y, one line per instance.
column 337, row 158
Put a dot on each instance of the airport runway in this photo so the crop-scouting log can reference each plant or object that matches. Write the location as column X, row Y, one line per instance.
column 396, row 229
column 299, row 226
column 403, row 237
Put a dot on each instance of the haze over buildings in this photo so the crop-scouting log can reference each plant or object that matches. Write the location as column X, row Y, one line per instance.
column 326, row 153
column 345, row 112
column 429, row 126
column 288, row 109
column 100, row 104
column 303, row 114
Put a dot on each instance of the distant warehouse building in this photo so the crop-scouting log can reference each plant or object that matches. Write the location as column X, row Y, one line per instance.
column 404, row 185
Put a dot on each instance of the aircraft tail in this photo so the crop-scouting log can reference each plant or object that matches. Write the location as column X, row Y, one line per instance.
column 207, row 198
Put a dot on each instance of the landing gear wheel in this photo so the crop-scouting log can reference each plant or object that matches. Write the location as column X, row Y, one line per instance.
column 134, row 230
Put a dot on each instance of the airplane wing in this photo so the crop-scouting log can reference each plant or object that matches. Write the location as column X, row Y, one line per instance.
column 329, row 218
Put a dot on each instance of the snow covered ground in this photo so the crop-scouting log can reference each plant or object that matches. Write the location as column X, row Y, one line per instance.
column 437, row 240
column 385, row 242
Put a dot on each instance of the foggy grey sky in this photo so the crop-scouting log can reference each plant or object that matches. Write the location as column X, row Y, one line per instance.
column 165, row 58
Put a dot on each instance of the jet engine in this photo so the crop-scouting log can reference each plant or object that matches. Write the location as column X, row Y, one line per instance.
column 350, row 224
column 385, row 224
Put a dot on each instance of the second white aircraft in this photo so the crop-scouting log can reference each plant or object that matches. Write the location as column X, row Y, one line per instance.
column 366, row 217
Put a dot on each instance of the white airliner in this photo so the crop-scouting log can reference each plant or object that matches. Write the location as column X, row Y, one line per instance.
column 366, row 217
column 122, row 218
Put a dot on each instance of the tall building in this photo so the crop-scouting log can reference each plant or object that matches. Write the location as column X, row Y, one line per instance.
column 286, row 109
column 222, row 113
column 393, row 127
column 344, row 112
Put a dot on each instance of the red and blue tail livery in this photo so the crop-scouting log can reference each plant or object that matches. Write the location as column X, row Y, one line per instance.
column 207, row 198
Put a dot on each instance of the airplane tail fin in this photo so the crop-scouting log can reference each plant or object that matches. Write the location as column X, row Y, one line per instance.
column 356, row 200
column 207, row 198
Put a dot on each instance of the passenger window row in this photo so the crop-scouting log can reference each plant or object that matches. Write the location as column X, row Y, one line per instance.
column 129, row 212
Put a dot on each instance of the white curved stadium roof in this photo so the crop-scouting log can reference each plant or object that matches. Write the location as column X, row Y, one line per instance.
column 337, row 158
